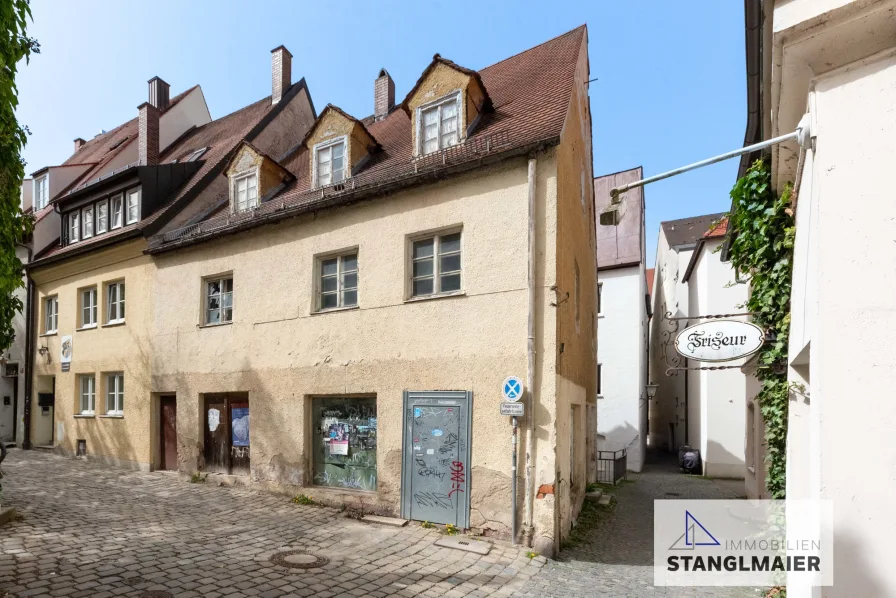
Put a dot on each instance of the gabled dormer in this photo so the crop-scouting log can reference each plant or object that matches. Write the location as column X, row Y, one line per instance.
column 252, row 176
column 444, row 106
column 338, row 146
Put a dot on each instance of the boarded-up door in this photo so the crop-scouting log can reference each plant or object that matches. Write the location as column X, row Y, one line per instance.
column 436, row 457
column 168, row 443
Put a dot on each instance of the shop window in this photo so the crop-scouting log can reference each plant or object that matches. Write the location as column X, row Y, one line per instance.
column 344, row 442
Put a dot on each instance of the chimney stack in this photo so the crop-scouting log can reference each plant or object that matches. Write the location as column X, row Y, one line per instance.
column 148, row 135
column 158, row 93
column 383, row 95
column 281, row 72
column 79, row 143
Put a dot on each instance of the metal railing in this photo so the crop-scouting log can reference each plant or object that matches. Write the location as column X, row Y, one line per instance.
column 611, row 466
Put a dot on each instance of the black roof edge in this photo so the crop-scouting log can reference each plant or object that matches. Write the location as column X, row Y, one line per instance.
column 80, row 250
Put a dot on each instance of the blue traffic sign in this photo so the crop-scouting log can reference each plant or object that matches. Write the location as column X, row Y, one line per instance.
column 512, row 389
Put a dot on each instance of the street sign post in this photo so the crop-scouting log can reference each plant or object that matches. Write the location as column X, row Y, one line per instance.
column 514, row 409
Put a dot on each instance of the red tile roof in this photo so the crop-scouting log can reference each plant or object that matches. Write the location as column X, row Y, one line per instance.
column 530, row 92
column 718, row 229
column 650, row 275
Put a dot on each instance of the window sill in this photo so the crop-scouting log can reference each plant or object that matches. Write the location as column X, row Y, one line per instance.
column 54, row 333
column 334, row 309
column 113, row 416
column 84, row 415
column 600, row 396
column 436, row 296
column 751, row 469
column 218, row 325
column 342, row 490
column 88, row 327
column 599, row 316
column 113, row 323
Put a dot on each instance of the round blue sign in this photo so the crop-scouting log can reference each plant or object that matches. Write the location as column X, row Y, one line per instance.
column 512, row 389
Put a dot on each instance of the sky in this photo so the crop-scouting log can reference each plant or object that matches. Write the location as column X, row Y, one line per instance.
column 670, row 89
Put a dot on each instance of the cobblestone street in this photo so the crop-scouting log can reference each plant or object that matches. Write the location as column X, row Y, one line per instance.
column 88, row 530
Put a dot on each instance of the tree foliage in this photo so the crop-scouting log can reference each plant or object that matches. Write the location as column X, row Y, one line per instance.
column 14, row 225
column 762, row 250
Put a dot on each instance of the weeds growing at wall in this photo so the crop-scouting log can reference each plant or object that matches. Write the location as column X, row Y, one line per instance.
column 762, row 251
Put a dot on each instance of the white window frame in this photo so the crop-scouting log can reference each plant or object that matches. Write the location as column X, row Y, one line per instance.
column 85, row 212
column 89, row 308
column 436, row 266
column 118, row 303
column 196, row 155
column 456, row 97
column 104, row 205
column 117, row 201
column 74, row 226
column 86, row 394
column 207, row 295
column 51, row 314
column 115, row 393
column 341, row 272
column 136, row 194
column 41, row 188
column 323, row 145
column 245, row 176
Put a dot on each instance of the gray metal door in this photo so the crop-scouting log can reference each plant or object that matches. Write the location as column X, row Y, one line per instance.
column 436, row 458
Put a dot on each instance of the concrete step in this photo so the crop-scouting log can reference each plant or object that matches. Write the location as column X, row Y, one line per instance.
column 595, row 496
column 391, row 521
column 606, row 499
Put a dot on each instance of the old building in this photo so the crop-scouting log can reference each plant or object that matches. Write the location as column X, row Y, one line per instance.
column 623, row 317
column 836, row 62
column 699, row 408
column 329, row 304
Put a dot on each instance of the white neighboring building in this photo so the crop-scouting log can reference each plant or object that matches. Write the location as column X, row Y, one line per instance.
column 623, row 303
column 717, row 399
column 701, row 409
column 836, row 60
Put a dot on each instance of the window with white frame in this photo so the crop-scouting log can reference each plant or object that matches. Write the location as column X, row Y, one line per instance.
column 88, row 308
column 88, row 395
column 117, row 210
column 338, row 281
column 219, row 300
column 438, row 128
column 102, row 217
column 115, row 394
column 133, row 206
column 245, row 192
column 41, row 192
column 87, row 222
column 329, row 164
column 196, row 155
column 115, row 303
column 74, row 226
column 436, row 265
column 51, row 314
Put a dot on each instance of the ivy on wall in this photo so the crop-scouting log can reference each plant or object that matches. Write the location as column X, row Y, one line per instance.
column 762, row 251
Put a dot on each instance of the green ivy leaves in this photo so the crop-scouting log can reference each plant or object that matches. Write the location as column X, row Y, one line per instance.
column 762, row 251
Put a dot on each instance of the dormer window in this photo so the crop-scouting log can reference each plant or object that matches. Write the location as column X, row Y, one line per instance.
column 196, row 155
column 246, row 192
column 41, row 192
column 438, row 122
column 74, row 226
column 329, row 162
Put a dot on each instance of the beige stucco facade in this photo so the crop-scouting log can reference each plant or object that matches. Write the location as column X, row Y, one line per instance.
column 97, row 351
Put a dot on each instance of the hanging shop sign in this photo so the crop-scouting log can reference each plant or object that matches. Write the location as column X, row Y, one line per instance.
column 719, row 340
column 65, row 349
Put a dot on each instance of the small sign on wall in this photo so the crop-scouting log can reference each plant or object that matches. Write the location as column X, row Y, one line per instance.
column 65, row 357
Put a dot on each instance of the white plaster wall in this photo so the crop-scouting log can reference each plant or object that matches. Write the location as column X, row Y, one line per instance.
column 189, row 111
column 717, row 399
column 621, row 355
column 853, row 349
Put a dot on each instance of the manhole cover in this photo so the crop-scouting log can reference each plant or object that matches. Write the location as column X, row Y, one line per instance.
column 299, row 559
column 156, row 594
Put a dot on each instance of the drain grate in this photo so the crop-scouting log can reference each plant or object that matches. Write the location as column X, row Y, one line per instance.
column 299, row 559
column 156, row 594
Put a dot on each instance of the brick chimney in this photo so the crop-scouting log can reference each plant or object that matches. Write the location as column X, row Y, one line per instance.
column 158, row 93
column 79, row 143
column 148, row 135
column 281, row 72
column 383, row 95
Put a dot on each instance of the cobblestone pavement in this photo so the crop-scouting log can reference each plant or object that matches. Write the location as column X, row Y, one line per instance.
column 91, row 530
column 617, row 559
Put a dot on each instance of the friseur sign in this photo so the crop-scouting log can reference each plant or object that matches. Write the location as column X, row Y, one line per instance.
column 719, row 340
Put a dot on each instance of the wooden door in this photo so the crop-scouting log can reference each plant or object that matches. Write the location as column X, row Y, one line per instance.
column 217, row 434
column 168, row 426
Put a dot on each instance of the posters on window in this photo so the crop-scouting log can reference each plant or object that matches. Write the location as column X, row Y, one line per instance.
column 240, row 426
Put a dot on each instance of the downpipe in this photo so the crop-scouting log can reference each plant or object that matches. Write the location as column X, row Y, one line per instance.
column 530, row 365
